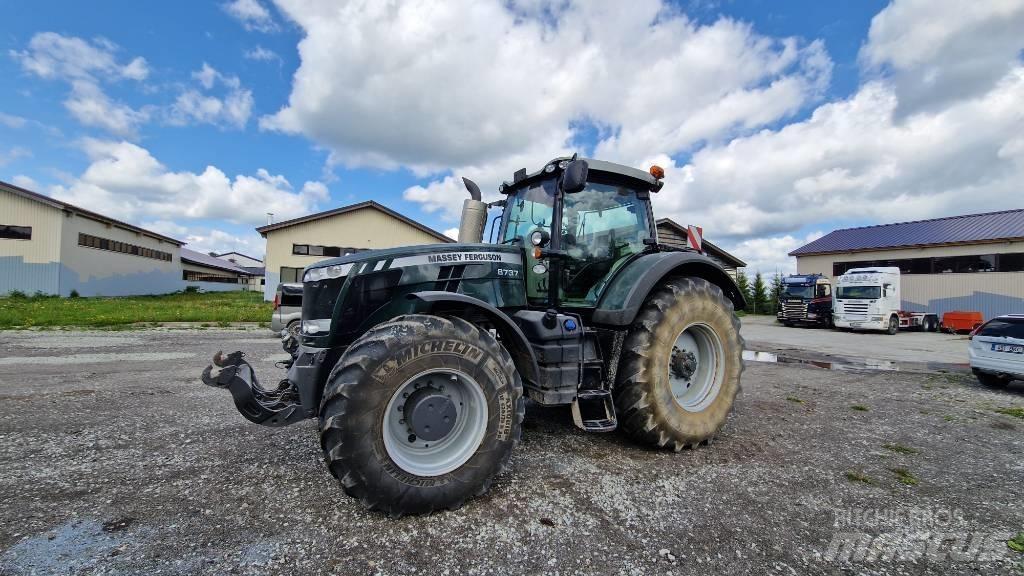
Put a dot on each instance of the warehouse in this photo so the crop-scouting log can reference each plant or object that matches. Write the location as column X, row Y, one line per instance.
column 674, row 234
column 973, row 262
column 214, row 274
column 294, row 244
column 52, row 247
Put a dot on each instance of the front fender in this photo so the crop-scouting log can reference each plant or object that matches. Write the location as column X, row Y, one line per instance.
column 629, row 288
column 512, row 336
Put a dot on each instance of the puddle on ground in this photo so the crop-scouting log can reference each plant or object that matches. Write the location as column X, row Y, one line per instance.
column 860, row 364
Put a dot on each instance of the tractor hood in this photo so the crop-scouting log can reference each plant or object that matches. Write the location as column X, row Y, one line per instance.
column 404, row 256
column 344, row 296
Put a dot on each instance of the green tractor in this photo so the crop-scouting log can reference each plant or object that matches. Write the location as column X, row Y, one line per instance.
column 417, row 361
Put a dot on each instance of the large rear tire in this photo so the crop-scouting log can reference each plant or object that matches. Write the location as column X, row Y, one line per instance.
column 420, row 414
column 681, row 365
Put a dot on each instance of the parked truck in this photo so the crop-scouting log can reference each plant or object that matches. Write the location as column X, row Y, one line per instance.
column 869, row 299
column 805, row 299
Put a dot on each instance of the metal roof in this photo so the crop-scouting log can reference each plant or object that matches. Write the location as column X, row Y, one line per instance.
column 202, row 259
column 53, row 202
column 969, row 229
column 351, row 208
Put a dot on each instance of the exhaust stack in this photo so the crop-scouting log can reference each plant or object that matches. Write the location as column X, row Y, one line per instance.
column 474, row 215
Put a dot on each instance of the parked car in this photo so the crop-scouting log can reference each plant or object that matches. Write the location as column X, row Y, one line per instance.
column 287, row 313
column 997, row 350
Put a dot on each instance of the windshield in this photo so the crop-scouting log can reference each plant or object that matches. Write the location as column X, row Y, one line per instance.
column 529, row 209
column 859, row 292
column 792, row 291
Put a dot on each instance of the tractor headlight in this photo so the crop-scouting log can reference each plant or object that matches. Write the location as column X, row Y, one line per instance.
column 539, row 238
column 336, row 271
column 316, row 326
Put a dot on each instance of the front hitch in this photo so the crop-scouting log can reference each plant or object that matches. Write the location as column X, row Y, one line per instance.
column 279, row 407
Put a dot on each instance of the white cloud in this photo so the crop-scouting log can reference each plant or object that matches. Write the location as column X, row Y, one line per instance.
column 11, row 154
column 84, row 65
column 53, row 56
column 856, row 159
column 25, row 182
column 252, row 15
column 92, row 107
column 232, row 109
column 125, row 181
column 939, row 51
column 204, row 239
column 261, row 54
column 452, row 233
column 467, row 82
column 11, row 121
column 770, row 255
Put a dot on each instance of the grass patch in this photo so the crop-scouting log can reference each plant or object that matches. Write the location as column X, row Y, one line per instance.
column 905, row 476
column 1016, row 543
column 44, row 311
column 900, row 448
column 855, row 476
column 794, row 399
column 1015, row 412
column 949, row 418
column 859, row 408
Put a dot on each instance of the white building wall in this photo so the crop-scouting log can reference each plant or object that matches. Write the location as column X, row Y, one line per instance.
column 96, row 272
column 32, row 265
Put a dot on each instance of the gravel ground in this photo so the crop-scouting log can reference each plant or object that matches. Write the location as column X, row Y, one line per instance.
column 114, row 459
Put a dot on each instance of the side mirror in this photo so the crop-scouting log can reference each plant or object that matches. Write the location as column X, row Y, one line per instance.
column 574, row 179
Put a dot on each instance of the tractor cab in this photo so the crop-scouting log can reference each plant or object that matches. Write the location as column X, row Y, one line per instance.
column 580, row 221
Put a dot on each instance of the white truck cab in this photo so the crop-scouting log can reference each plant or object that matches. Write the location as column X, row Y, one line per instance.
column 869, row 299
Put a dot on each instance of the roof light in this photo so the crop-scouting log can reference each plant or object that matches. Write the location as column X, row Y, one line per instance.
column 658, row 172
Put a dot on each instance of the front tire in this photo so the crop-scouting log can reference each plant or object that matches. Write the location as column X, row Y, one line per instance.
column 894, row 325
column 681, row 364
column 420, row 414
column 991, row 380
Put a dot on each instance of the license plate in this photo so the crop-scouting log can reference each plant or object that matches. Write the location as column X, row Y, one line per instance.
column 1011, row 348
column 855, row 324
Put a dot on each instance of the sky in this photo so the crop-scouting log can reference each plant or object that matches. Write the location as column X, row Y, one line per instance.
column 776, row 122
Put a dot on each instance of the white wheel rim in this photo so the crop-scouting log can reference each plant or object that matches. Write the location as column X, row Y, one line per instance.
column 436, row 457
column 696, row 367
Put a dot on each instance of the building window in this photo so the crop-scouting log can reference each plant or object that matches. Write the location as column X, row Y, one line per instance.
column 943, row 265
column 194, row 276
column 90, row 241
column 317, row 250
column 291, row 275
column 15, row 232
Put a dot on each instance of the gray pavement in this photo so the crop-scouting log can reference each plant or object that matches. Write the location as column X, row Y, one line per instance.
column 114, row 459
column 763, row 332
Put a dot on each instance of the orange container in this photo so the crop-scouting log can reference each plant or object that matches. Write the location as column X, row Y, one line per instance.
column 960, row 321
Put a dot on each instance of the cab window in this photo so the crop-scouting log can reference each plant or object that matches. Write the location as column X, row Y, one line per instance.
column 601, row 227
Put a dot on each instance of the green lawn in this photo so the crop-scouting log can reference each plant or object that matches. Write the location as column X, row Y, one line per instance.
column 210, row 307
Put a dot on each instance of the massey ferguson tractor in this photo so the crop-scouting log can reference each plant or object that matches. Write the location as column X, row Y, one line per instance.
column 417, row 361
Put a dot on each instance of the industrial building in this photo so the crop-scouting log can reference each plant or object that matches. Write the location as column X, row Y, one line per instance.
column 674, row 234
column 214, row 274
column 973, row 262
column 52, row 247
column 294, row 244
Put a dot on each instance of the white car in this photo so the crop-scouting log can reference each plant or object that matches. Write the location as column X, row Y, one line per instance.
column 997, row 350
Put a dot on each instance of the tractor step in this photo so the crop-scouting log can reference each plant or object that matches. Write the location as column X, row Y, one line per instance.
column 594, row 411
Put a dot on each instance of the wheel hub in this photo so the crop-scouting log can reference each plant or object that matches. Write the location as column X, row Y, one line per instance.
column 684, row 363
column 429, row 413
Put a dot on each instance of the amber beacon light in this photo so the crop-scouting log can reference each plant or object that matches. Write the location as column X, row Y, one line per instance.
column 658, row 172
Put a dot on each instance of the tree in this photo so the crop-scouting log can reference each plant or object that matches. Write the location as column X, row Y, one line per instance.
column 759, row 294
column 775, row 292
column 743, row 283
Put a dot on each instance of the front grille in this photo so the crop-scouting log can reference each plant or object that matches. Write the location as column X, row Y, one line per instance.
column 794, row 310
column 856, row 309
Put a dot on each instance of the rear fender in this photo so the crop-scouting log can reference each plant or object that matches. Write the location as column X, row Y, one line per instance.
column 512, row 336
column 628, row 290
